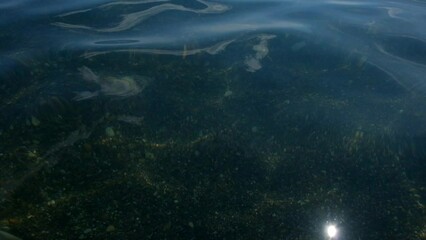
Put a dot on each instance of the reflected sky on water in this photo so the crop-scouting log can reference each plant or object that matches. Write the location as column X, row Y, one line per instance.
column 368, row 29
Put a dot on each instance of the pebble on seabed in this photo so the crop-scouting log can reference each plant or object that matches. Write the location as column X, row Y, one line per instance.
column 110, row 228
column 109, row 132
column 34, row 121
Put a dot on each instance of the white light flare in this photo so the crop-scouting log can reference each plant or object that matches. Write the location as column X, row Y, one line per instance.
column 331, row 231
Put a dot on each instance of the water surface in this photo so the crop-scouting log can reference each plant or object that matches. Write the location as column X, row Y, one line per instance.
column 200, row 119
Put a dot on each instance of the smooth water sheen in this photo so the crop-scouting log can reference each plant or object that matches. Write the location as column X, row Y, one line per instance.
column 231, row 119
column 364, row 28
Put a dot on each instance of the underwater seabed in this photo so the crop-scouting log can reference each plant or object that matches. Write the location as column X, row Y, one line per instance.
column 211, row 151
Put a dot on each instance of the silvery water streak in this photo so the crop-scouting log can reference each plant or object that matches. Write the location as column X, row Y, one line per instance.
column 130, row 20
column 261, row 50
column 109, row 86
column 331, row 25
column 7, row 236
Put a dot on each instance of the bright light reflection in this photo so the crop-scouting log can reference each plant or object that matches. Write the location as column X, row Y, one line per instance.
column 331, row 231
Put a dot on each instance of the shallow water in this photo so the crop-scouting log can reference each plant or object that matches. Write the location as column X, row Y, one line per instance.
column 212, row 119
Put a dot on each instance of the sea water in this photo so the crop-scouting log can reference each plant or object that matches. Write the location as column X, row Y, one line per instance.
column 199, row 119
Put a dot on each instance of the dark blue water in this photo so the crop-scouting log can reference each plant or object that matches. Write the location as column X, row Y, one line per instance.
column 238, row 119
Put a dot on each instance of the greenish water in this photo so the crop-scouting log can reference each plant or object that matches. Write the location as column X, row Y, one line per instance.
column 212, row 120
